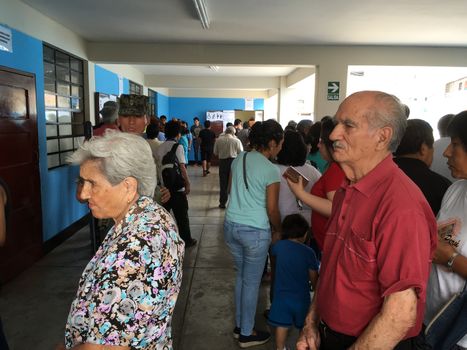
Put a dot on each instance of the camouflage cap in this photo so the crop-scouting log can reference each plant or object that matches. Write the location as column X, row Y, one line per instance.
column 132, row 105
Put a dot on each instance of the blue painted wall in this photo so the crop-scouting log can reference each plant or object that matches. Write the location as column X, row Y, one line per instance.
column 59, row 207
column 186, row 108
column 163, row 105
column 258, row 104
column 107, row 81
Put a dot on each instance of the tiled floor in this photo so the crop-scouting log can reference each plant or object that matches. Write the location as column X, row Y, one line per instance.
column 35, row 305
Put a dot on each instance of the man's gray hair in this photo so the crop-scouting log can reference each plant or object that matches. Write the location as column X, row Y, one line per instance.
column 390, row 112
column 230, row 130
column 120, row 155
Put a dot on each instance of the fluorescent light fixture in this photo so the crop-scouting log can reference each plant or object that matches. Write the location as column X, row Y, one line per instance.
column 202, row 13
column 214, row 68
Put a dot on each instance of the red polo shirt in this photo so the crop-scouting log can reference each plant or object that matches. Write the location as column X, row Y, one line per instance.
column 329, row 182
column 380, row 240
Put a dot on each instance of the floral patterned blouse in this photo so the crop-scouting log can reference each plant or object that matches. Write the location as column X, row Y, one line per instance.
column 127, row 292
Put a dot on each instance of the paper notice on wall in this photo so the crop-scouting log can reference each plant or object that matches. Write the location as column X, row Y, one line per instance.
column 249, row 104
column 214, row 115
column 6, row 39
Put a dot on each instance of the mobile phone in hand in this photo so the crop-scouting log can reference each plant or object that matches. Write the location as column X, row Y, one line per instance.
column 293, row 174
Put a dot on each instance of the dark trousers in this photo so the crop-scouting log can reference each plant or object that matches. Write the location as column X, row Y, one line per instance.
column 3, row 343
column 332, row 340
column 224, row 173
column 179, row 205
column 196, row 149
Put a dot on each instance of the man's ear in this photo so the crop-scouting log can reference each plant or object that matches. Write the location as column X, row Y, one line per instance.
column 423, row 149
column 384, row 136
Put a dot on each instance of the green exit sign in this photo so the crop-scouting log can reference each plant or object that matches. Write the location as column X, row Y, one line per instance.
column 333, row 90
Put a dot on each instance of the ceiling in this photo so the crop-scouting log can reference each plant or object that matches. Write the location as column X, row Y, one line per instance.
column 284, row 22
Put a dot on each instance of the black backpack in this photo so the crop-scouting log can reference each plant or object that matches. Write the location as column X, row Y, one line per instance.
column 171, row 173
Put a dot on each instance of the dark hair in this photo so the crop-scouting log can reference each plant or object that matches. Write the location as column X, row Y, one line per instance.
column 246, row 125
column 152, row 130
column 237, row 122
column 172, row 129
column 195, row 118
column 207, row 124
column 293, row 150
column 263, row 132
column 313, row 136
column 417, row 132
column 163, row 117
column 292, row 124
column 458, row 128
column 327, row 126
column 443, row 124
column 228, row 124
column 303, row 127
column 294, row 226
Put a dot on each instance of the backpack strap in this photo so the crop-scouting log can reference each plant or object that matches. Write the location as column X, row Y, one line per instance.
column 174, row 147
column 244, row 171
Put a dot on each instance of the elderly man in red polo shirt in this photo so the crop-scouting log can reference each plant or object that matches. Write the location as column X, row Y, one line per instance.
column 380, row 238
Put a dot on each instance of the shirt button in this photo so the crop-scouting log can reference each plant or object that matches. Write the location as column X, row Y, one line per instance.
column 343, row 217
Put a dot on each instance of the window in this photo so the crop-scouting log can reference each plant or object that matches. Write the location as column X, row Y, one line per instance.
column 64, row 104
column 152, row 107
column 135, row 88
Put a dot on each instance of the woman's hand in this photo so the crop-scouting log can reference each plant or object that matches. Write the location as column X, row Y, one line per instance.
column 443, row 252
column 296, row 187
column 165, row 194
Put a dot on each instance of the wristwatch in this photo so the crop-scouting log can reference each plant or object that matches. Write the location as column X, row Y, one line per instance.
column 451, row 260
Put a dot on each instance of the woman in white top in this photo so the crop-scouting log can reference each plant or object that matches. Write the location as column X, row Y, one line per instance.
column 449, row 271
column 293, row 153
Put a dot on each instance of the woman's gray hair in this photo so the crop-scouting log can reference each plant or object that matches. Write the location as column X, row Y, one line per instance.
column 120, row 155
column 389, row 111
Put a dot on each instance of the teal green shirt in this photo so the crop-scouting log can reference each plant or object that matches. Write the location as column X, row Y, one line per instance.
column 319, row 161
column 248, row 207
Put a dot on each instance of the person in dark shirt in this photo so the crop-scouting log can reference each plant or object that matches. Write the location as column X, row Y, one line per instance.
column 207, row 138
column 415, row 155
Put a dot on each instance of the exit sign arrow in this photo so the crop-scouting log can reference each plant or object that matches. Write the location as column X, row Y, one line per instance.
column 333, row 87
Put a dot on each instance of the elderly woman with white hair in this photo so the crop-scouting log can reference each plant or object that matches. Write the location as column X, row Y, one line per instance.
column 127, row 292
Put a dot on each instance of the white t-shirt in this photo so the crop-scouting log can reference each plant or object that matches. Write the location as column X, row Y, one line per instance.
column 287, row 200
column 444, row 283
column 162, row 150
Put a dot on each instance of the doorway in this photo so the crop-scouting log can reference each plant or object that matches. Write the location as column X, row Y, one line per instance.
column 19, row 168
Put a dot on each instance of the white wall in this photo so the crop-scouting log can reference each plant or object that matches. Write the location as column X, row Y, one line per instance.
column 125, row 70
column 27, row 20
column 331, row 61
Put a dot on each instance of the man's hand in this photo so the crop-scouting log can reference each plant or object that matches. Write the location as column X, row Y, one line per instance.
column 187, row 188
column 309, row 338
column 165, row 194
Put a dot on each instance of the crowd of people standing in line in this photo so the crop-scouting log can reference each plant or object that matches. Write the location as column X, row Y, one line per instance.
column 389, row 232
column 367, row 225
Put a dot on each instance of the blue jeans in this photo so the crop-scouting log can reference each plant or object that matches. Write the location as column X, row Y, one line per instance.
column 249, row 247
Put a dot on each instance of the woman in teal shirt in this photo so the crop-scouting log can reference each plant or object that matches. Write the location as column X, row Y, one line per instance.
column 251, row 213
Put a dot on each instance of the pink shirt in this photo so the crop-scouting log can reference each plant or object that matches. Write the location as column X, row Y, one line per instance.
column 380, row 240
column 329, row 182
